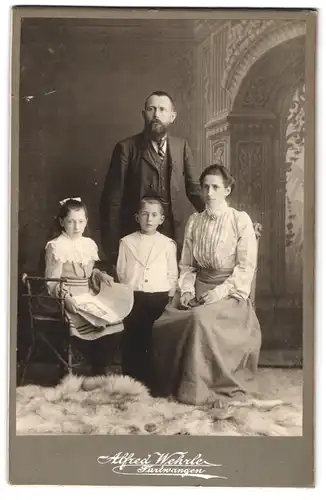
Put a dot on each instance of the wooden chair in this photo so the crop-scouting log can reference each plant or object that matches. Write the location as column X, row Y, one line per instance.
column 258, row 230
column 40, row 318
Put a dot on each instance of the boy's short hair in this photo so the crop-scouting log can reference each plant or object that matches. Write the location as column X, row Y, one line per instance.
column 151, row 199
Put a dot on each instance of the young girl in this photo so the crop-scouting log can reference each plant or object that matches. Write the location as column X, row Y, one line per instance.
column 147, row 262
column 72, row 256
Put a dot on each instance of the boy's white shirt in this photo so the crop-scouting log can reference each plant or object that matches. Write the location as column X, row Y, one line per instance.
column 148, row 263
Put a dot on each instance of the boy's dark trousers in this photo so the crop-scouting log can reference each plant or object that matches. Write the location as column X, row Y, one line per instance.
column 137, row 335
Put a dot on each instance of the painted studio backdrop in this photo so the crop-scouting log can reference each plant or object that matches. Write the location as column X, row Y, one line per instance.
column 240, row 95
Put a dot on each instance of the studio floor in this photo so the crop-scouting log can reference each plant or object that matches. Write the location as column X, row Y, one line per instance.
column 119, row 405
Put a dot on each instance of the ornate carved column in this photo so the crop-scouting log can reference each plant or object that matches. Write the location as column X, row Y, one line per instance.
column 218, row 137
column 252, row 160
column 245, row 143
column 213, row 100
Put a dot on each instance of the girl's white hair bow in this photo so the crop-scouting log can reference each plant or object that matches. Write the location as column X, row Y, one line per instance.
column 62, row 202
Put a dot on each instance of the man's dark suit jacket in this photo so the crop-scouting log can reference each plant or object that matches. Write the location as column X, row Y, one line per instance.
column 133, row 174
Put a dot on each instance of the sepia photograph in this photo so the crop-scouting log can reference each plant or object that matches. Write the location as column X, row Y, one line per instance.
column 161, row 245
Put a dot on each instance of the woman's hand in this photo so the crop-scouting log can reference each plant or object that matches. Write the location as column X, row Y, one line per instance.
column 208, row 298
column 184, row 300
column 71, row 304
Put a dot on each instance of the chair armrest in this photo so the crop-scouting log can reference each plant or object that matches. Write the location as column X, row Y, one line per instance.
column 26, row 277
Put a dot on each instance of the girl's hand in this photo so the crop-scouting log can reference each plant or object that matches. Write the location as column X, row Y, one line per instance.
column 184, row 300
column 99, row 277
column 70, row 304
column 107, row 279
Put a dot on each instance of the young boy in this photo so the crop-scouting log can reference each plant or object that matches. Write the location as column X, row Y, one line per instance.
column 147, row 262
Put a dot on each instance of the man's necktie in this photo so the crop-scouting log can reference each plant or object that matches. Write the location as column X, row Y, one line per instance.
column 160, row 150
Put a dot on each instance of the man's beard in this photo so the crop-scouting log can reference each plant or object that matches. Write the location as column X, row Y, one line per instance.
column 155, row 129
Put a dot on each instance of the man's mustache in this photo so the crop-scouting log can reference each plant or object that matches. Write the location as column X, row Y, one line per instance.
column 156, row 121
column 155, row 125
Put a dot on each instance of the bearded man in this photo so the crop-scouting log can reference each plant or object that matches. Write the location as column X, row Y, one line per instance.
column 152, row 163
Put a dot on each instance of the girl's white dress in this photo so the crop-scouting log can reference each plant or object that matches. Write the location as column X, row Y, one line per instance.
column 74, row 260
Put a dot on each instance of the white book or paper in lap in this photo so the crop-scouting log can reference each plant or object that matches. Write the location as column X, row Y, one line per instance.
column 110, row 306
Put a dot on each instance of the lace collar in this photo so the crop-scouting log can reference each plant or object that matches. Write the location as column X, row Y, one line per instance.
column 81, row 250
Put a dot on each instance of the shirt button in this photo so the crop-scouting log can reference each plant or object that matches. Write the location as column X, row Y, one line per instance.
column 146, row 281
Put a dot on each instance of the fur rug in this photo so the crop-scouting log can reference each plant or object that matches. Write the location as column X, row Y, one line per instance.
column 120, row 405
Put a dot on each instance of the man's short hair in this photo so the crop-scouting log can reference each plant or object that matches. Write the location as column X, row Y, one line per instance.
column 160, row 93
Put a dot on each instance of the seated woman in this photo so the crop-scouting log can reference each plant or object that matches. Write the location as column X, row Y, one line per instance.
column 207, row 342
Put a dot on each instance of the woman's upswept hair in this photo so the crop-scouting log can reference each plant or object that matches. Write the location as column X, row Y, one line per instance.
column 216, row 169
